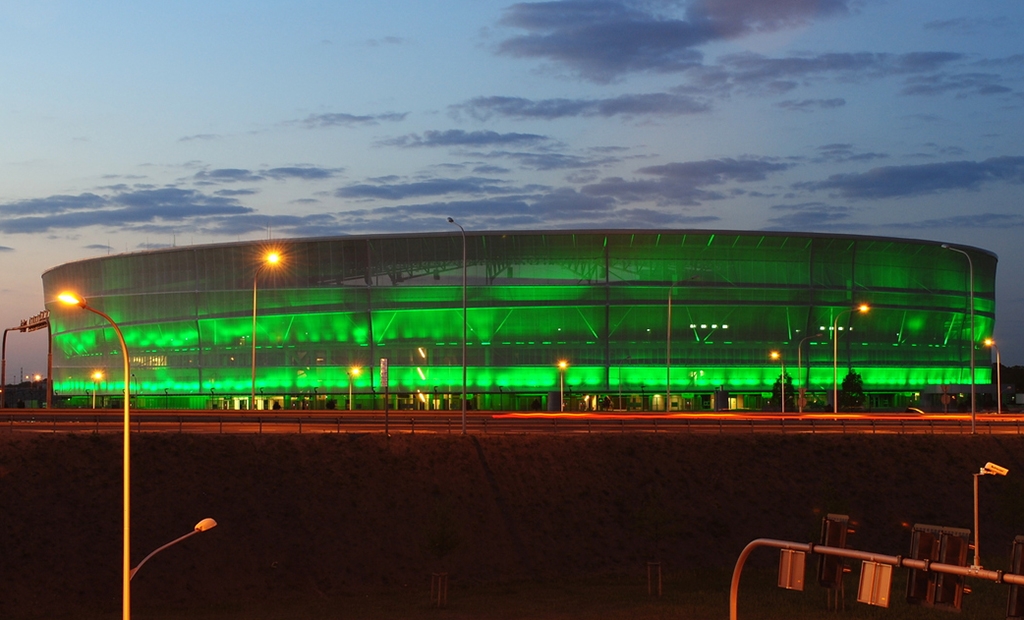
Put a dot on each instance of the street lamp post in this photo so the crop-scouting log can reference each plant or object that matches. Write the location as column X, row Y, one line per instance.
column 999, row 379
column 835, row 353
column 970, row 268
column 270, row 259
column 352, row 372
column 96, row 377
column 990, row 469
column 775, row 355
column 203, row 526
column 465, row 321
column 562, row 365
column 799, row 371
column 126, row 610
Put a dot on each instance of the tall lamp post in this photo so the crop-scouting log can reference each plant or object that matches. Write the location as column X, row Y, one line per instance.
column 990, row 469
column 562, row 365
column 465, row 321
column 799, row 370
column 999, row 379
column 835, row 353
column 970, row 268
column 353, row 372
column 270, row 259
column 775, row 355
column 126, row 608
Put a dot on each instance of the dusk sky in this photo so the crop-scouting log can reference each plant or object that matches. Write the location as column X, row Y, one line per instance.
column 127, row 126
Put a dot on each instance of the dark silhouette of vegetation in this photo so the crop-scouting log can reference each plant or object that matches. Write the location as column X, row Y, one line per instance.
column 777, row 394
column 851, row 395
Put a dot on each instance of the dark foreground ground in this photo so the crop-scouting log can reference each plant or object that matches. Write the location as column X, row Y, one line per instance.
column 351, row 526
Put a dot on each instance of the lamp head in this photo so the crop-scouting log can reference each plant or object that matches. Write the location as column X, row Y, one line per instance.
column 71, row 299
column 863, row 308
column 945, row 246
column 273, row 258
column 563, row 364
column 451, row 221
column 775, row 355
column 206, row 524
column 989, row 342
column 993, row 470
column 355, row 370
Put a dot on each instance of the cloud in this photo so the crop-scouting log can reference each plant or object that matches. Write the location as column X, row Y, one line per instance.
column 204, row 137
column 307, row 173
column 684, row 183
column 963, row 84
column 839, row 152
column 390, row 190
column 758, row 74
column 923, row 179
column 649, row 104
column 239, row 175
column 809, row 105
column 811, row 216
column 603, row 39
column 121, row 210
column 458, row 137
column 978, row 220
column 341, row 119
column 227, row 175
column 550, row 161
column 4, row 248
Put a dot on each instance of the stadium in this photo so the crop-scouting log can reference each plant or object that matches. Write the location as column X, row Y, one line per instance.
column 673, row 320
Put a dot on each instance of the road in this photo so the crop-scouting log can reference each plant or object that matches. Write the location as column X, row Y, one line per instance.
column 450, row 422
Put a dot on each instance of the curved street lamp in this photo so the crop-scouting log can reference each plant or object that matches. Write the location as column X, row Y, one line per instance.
column 353, row 372
column 970, row 268
column 465, row 321
column 990, row 469
column 126, row 608
column 269, row 260
column 863, row 308
column 999, row 379
column 799, row 370
column 203, row 526
column 562, row 365
column 775, row 355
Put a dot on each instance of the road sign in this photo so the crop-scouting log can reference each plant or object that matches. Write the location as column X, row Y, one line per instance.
column 383, row 372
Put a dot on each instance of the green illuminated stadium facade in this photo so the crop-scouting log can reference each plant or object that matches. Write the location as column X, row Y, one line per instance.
column 640, row 317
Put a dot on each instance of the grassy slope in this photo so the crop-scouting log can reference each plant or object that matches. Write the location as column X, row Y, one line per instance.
column 328, row 516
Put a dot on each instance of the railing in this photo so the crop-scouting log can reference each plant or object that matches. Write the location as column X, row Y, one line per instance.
column 444, row 422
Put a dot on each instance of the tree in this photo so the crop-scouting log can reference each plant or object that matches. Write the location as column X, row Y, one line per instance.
column 790, row 393
column 852, row 394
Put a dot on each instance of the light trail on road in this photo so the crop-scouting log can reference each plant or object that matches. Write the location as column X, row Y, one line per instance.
column 445, row 422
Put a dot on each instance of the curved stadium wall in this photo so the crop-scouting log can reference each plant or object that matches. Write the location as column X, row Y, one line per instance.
column 629, row 311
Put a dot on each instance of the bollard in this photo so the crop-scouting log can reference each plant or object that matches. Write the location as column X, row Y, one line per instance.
column 654, row 575
column 439, row 589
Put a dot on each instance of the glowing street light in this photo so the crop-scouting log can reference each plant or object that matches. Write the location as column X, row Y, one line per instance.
column 562, row 365
column 863, row 308
column 354, row 371
column 126, row 608
column 999, row 379
column 203, row 526
column 96, row 378
column 775, row 355
column 465, row 321
column 270, row 260
column 970, row 268
column 990, row 469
